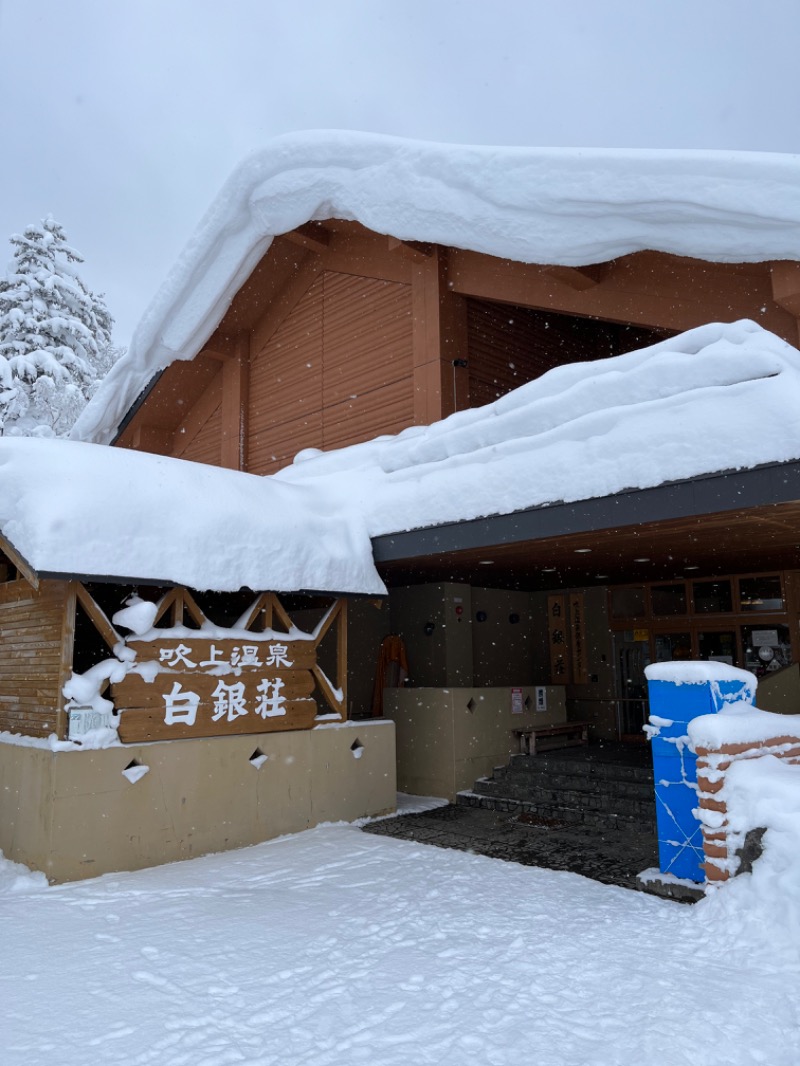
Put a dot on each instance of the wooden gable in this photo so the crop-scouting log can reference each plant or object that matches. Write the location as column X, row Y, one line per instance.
column 341, row 334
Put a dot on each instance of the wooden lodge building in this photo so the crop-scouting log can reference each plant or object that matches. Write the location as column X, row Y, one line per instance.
column 335, row 294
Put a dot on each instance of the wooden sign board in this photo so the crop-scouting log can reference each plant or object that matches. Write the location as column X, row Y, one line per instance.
column 577, row 617
column 557, row 638
column 203, row 688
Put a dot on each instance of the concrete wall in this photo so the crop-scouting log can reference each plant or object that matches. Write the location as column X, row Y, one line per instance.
column 74, row 815
column 462, row 651
column 443, row 745
column 503, row 651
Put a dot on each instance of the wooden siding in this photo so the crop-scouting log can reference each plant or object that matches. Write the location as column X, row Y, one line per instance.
column 32, row 642
column 336, row 371
column 509, row 345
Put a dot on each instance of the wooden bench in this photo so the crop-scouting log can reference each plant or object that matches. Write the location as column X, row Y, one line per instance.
column 535, row 739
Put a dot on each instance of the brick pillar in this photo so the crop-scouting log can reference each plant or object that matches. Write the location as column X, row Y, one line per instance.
column 719, row 843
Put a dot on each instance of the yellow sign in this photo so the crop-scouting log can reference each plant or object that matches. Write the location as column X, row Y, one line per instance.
column 641, row 634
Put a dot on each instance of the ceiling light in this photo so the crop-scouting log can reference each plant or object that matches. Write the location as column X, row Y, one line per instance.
column 486, row 562
column 548, row 570
column 582, row 551
column 642, row 559
column 598, row 577
column 691, row 568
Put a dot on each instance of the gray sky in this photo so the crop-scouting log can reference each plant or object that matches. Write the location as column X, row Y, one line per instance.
column 123, row 117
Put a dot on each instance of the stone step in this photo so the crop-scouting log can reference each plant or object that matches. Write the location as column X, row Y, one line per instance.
column 626, row 786
column 635, row 804
column 555, row 815
column 555, row 764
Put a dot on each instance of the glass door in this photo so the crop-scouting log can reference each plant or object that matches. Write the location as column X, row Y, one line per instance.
column 632, row 656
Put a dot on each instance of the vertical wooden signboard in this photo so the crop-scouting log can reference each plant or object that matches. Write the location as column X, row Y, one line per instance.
column 557, row 639
column 577, row 617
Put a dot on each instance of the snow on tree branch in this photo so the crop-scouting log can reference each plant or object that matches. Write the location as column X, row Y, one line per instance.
column 55, row 336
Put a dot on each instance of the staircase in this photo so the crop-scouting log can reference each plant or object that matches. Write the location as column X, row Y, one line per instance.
column 607, row 788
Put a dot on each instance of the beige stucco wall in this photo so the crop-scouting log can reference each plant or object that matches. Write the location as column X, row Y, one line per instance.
column 74, row 815
column 443, row 746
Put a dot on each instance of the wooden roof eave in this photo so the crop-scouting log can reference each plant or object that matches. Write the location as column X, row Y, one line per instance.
column 168, row 582
column 705, row 494
column 20, row 562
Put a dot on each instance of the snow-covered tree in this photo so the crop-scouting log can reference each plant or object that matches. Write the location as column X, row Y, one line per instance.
column 55, row 335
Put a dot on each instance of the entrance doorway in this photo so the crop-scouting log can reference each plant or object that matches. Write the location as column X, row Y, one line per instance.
column 631, row 657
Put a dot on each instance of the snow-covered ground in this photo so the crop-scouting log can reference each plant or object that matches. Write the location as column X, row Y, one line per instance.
column 338, row 947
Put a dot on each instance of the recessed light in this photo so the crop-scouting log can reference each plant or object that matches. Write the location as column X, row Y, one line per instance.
column 486, row 562
column 582, row 551
column 548, row 569
column 642, row 559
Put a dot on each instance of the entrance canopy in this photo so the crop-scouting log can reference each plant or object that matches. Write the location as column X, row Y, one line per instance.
column 746, row 520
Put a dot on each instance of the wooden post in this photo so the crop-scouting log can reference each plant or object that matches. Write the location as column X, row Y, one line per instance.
column 67, row 653
column 341, row 655
column 235, row 379
column 439, row 340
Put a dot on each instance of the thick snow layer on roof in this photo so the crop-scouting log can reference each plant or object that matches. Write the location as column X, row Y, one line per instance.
column 72, row 508
column 560, row 206
column 716, row 398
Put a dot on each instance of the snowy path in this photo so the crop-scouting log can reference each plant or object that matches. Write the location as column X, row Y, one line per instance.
column 337, row 947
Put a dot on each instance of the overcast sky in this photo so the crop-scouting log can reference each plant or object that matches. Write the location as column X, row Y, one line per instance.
column 123, row 117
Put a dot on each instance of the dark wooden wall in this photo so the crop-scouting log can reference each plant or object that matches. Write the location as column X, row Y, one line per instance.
column 508, row 346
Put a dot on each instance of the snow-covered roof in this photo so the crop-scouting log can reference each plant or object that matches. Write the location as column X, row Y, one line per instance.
column 716, row 398
column 88, row 510
column 569, row 207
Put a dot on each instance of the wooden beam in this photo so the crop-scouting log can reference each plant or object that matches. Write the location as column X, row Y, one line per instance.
column 785, row 277
column 328, row 693
column 192, row 608
column 416, row 250
column 579, row 278
column 439, row 341
column 98, row 617
column 279, row 611
column 341, row 655
column 164, row 604
column 235, row 382
column 249, row 617
column 197, row 416
column 652, row 289
column 67, row 655
column 216, row 353
column 312, row 236
column 284, row 303
column 22, row 565
column 153, row 439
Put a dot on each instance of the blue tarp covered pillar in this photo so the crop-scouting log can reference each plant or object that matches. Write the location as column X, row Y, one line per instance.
column 678, row 693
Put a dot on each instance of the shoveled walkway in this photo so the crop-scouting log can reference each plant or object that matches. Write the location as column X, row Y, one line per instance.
column 586, row 810
column 615, row 857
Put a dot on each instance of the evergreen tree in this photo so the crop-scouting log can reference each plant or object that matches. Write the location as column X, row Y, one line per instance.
column 54, row 335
